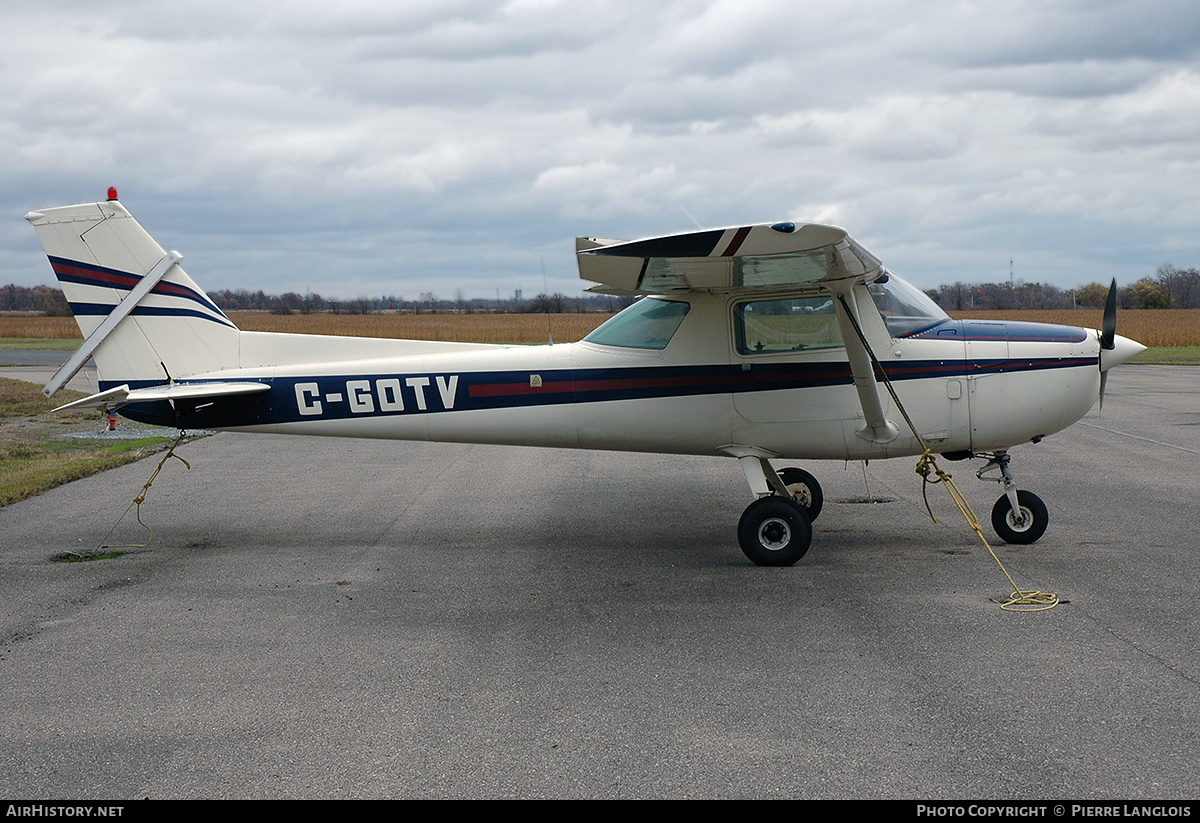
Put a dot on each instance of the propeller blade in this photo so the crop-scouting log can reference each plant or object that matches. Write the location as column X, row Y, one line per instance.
column 1108, row 332
column 1108, row 336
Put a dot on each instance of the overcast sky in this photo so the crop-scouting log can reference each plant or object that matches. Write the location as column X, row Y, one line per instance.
column 457, row 146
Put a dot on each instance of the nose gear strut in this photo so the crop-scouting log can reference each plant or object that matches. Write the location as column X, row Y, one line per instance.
column 1019, row 516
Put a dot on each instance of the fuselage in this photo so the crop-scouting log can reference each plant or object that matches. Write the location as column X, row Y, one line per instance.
column 690, row 374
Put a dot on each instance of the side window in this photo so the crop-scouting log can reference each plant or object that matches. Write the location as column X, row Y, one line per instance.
column 649, row 323
column 791, row 324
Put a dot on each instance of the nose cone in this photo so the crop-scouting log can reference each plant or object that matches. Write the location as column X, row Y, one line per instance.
column 1123, row 349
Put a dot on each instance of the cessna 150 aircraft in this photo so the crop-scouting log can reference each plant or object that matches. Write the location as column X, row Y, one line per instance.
column 758, row 342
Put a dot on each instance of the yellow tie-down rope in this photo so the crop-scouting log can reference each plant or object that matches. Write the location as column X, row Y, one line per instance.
column 1020, row 600
column 137, row 501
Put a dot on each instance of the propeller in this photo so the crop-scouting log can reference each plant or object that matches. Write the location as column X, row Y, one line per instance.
column 1108, row 336
column 1108, row 332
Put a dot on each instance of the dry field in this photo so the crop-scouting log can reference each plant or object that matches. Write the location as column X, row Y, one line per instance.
column 29, row 325
column 1150, row 327
column 470, row 328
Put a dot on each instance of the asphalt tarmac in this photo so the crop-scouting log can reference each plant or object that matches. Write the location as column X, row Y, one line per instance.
column 335, row 618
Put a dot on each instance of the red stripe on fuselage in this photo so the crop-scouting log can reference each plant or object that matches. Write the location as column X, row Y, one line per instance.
column 509, row 389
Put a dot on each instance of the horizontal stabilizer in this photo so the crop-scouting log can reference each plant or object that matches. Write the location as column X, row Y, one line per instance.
column 123, row 395
column 110, row 399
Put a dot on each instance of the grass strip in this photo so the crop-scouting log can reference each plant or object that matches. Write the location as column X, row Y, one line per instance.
column 27, row 471
column 1169, row 356
column 38, row 451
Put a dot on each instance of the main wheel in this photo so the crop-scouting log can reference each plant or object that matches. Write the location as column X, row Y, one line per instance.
column 1025, row 529
column 774, row 531
column 805, row 490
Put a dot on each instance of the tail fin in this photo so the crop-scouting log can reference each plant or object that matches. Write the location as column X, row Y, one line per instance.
column 144, row 320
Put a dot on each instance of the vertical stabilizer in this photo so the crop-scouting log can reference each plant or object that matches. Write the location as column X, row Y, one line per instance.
column 145, row 318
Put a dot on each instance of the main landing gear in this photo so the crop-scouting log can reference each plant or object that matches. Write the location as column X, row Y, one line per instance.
column 776, row 529
column 1018, row 517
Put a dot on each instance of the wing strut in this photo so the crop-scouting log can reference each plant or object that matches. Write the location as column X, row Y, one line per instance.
column 877, row 429
column 119, row 313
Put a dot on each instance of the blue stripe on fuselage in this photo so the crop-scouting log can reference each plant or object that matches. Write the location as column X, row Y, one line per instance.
column 335, row 397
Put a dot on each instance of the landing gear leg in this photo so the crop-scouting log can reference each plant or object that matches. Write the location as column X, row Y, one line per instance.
column 776, row 529
column 1019, row 516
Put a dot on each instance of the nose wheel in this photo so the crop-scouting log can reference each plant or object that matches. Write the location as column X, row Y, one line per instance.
column 1019, row 516
column 1025, row 524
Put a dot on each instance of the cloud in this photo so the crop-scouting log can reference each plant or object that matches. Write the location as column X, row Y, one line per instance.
column 377, row 147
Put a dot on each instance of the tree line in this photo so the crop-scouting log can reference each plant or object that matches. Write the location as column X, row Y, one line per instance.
column 45, row 300
column 1169, row 288
column 426, row 303
column 50, row 301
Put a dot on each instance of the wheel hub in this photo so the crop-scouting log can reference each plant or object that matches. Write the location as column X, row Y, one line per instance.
column 801, row 494
column 1020, row 520
column 774, row 534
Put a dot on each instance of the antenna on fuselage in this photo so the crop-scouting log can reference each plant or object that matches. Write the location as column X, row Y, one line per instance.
column 546, row 294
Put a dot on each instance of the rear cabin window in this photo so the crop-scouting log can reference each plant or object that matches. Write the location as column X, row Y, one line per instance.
column 649, row 323
column 792, row 324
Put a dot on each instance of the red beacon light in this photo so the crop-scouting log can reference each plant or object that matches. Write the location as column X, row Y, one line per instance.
column 112, row 192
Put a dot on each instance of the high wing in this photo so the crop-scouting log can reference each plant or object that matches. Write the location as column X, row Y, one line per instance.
column 742, row 257
column 121, row 395
column 757, row 257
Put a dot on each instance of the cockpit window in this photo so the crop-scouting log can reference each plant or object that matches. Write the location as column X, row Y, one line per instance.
column 791, row 324
column 905, row 308
column 647, row 324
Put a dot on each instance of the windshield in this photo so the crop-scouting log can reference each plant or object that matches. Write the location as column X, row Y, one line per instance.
column 905, row 308
column 647, row 324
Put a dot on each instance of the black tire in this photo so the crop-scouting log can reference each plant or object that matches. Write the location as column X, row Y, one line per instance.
column 805, row 490
column 1035, row 521
column 774, row 531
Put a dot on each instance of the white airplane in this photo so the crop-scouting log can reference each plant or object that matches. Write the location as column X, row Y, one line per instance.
column 758, row 342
